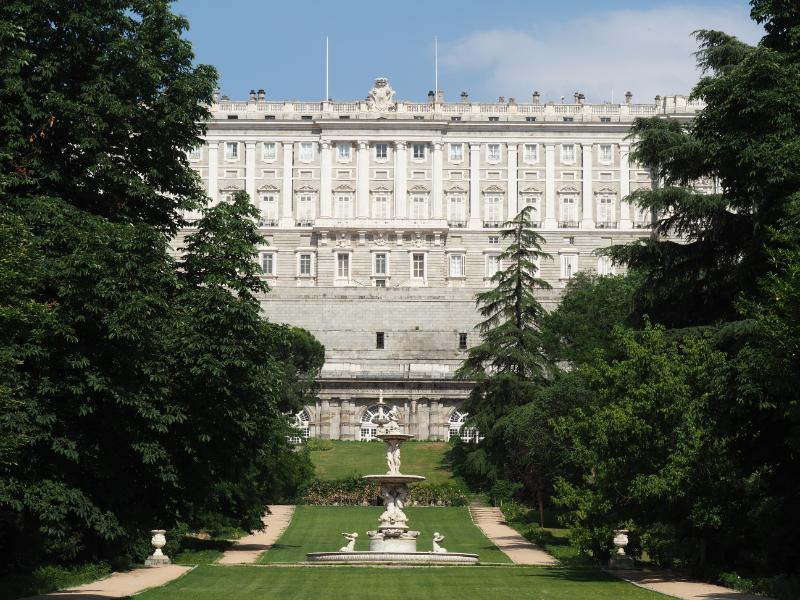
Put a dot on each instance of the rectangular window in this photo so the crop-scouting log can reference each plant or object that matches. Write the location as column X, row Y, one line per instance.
column 605, row 211
column 380, row 263
column 268, row 263
column 380, row 283
column 456, row 265
column 494, row 209
column 569, row 211
column 456, row 175
column 462, row 341
column 605, row 152
column 306, row 151
column 380, row 339
column 380, row 207
column 419, row 207
column 231, row 150
column 418, row 266
column 605, row 119
column 305, row 209
column 567, row 153
column 569, row 265
column 381, row 174
column 531, row 153
column 268, row 151
column 494, row 119
column 492, row 265
column 456, row 152
column 344, row 206
column 269, row 210
column 343, row 265
column 569, row 119
column 343, row 152
column 231, row 174
column 194, row 153
column 494, row 240
column 605, row 266
column 531, row 200
column 306, row 174
column 493, row 175
column 305, row 264
column 455, row 209
column 268, row 174
column 418, row 151
column 381, row 151
column 568, row 176
column 417, row 174
column 343, row 174
column 493, row 152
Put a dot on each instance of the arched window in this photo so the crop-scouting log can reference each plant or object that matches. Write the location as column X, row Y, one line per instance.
column 368, row 426
column 299, row 422
column 456, row 428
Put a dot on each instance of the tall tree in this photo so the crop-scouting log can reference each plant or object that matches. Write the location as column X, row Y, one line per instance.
column 510, row 342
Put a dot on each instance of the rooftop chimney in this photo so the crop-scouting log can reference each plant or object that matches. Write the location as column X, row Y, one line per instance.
column 431, row 96
column 628, row 97
column 252, row 95
column 262, row 95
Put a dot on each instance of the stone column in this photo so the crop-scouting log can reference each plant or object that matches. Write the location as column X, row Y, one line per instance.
column 250, row 171
column 625, row 221
column 423, row 420
column 550, row 217
column 511, row 201
column 325, row 199
column 400, row 174
column 587, row 221
column 213, row 171
column 474, row 186
column 362, row 181
column 437, row 181
column 286, row 219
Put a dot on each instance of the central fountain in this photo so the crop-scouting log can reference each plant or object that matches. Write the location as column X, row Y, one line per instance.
column 393, row 541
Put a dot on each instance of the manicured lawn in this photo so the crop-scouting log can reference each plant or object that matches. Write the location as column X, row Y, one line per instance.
column 200, row 552
column 319, row 529
column 209, row 582
column 345, row 459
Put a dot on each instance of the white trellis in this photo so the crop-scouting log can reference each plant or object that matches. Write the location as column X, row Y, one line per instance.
column 300, row 423
column 456, row 428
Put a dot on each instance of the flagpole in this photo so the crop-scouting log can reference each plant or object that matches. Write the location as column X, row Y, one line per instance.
column 327, row 90
column 436, row 67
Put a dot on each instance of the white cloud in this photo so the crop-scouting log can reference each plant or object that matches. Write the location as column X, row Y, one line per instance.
column 646, row 51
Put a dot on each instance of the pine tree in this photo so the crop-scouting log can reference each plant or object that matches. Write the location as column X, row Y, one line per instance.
column 510, row 341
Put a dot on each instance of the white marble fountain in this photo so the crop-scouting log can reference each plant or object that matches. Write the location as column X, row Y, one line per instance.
column 393, row 541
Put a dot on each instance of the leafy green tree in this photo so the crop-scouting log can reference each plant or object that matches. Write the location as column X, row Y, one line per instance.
column 510, row 341
column 100, row 102
column 746, row 138
column 584, row 321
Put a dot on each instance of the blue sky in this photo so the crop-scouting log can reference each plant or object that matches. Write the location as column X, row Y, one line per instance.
column 489, row 48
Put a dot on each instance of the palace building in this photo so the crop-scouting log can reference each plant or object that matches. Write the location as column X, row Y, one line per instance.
column 382, row 221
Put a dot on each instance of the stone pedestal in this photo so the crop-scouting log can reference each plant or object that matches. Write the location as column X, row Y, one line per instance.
column 158, row 558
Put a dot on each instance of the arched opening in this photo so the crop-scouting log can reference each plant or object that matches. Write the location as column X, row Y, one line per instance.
column 369, row 428
column 456, row 428
column 299, row 422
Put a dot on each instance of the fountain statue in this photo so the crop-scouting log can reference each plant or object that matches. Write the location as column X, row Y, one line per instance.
column 393, row 541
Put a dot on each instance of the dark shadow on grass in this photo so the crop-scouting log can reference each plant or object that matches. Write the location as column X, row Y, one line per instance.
column 582, row 575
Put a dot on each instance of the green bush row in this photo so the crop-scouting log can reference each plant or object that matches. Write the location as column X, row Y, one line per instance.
column 356, row 491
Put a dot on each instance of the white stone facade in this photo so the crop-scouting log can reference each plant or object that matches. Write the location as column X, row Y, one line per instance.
column 382, row 219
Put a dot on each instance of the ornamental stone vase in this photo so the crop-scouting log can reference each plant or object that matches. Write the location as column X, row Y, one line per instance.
column 158, row 558
column 620, row 560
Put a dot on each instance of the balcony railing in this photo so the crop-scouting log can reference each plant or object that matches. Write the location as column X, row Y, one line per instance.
column 567, row 224
column 606, row 225
column 536, row 225
column 264, row 222
column 304, row 223
column 492, row 224
column 456, row 224
column 642, row 225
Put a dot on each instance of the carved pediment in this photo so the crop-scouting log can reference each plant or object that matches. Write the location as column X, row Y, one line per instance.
column 344, row 187
column 456, row 189
column 531, row 190
column 605, row 190
column 494, row 189
column 419, row 188
column 306, row 188
column 568, row 189
column 230, row 188
column 381, row 189
column 268, row 187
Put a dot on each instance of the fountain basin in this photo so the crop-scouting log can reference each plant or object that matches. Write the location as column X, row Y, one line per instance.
column 394, row 478
column 409, row 558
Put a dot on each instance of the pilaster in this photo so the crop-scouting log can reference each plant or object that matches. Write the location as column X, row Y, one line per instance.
column 362, row 181
column 511, row 201
column 625, row 221
column 474, row 186
column 325, row 198
column 437, row 181
column 550, row 220
column 213, row 171
column 587, row 221
column 400, row 181
column 286, row 191
column 250, row 170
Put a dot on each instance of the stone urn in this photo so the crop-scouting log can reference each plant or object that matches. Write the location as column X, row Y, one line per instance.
column 620, row 560
column 158, row 558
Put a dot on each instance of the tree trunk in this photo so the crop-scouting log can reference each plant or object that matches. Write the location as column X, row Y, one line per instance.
column 541, row 506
